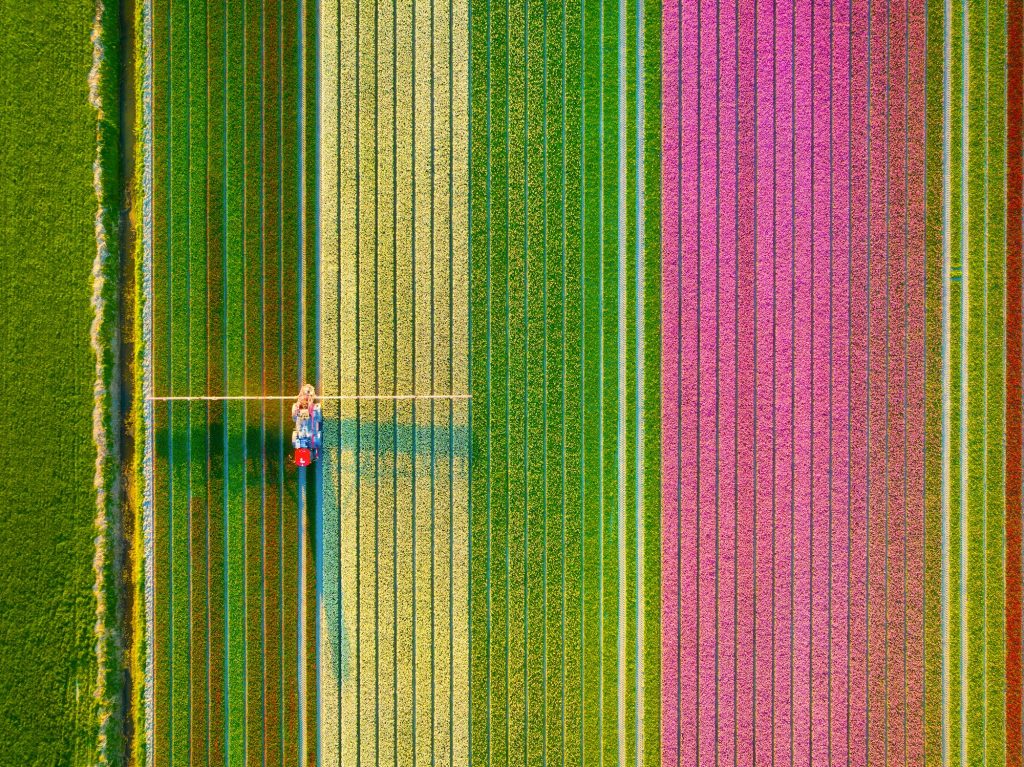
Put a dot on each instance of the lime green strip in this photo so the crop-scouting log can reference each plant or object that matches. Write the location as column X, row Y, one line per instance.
column 607, row 278
column 559, row 668
column 252, row 301
column 573, row 409
column 650, row 482
column 198, row 458
column 532, row 141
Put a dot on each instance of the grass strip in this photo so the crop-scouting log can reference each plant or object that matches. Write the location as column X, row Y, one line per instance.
column 105, row 83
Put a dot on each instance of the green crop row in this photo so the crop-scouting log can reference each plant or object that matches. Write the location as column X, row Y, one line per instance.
column 180, row 435
column 216, row 381
column 234, row 383
column 274, row 468
column 201, row 505
column 253, row 312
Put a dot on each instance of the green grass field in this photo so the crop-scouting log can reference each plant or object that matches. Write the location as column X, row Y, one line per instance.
column 48, row 678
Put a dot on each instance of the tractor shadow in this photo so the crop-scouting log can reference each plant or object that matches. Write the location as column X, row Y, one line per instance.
column 356, row 450
column 363, row 456
column 335, row 649
column 209, row 440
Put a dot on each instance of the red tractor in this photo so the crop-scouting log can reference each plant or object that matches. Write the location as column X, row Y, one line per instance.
column 307, row 437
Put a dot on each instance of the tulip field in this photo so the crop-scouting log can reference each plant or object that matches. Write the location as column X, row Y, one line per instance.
column 670, row 359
